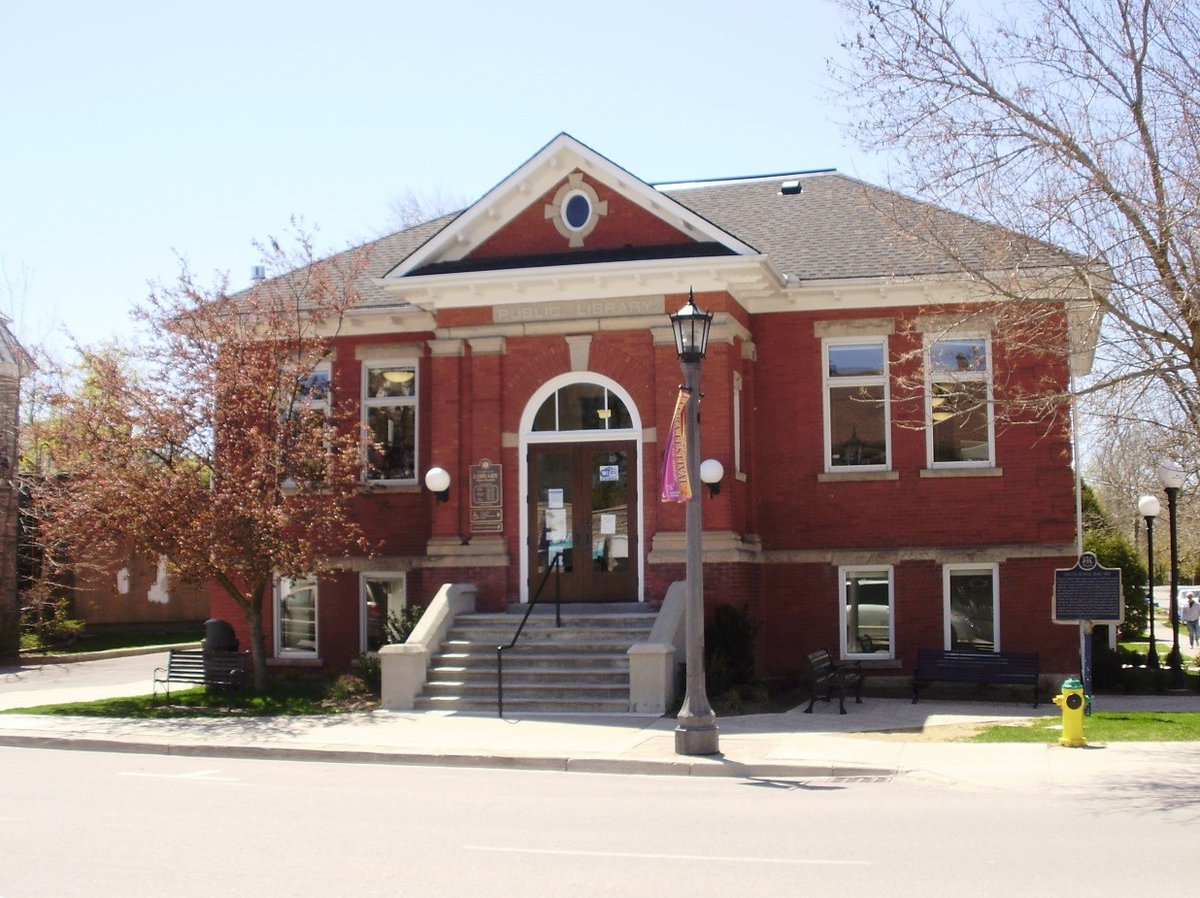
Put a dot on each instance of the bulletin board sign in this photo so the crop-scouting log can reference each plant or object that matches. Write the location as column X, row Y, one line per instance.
column 486, row 489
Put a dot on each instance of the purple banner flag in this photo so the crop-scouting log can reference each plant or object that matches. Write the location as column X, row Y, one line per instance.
column 676, row 484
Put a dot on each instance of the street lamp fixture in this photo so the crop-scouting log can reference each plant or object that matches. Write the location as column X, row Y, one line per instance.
column 1171, row 476
column 1148, row 508
column 691, row 326
column 696, row 732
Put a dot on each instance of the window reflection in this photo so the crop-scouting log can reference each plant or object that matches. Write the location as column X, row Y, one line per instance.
column 972, row 610
column 297, row 615
column 383, row 599
column 868, row 612
column 390, row 414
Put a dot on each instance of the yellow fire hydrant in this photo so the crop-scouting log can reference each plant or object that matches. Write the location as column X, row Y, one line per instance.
column 1072, row 701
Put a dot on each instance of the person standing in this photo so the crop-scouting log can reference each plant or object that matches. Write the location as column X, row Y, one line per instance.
column 1191, row 617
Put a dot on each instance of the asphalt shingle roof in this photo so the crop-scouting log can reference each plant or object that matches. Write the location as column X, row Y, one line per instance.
column 387, row 252
column 839, row 227
column 835, row 228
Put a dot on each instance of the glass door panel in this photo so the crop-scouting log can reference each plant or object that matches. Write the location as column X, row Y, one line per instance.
column 583, row 503
column 553, row 479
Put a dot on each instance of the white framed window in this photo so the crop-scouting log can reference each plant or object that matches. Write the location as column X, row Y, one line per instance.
column 313, row 389
column 856, row 404
column 312, row 397
column 961, row 431
column 972, row 607
column 865, row 610
column 296, row 617
column 390, row 416
column 737, row 424
column 382, row 597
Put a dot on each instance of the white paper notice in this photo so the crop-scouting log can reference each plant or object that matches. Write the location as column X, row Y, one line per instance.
column 608, row 525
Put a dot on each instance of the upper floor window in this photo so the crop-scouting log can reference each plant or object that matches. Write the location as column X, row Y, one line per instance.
column 390, row 414
column 582, row 406
column 313, row 389
column 959, row 401
column 856, row 404
column 737, row 424
column 305, row 420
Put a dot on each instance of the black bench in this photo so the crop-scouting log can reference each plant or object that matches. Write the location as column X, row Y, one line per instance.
column 1015, row 668
column 219, row 670
column 829, row 678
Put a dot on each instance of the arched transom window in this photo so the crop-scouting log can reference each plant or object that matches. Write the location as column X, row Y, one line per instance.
column 582, row 406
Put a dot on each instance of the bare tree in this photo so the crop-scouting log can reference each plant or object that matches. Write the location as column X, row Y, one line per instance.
column 412, row 208
column 215, row 441
column 1076, row 125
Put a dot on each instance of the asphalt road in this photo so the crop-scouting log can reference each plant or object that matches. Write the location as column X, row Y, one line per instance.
column 97, row 824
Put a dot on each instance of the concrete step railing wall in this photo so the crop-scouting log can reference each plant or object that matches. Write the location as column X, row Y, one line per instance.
column 600, row 661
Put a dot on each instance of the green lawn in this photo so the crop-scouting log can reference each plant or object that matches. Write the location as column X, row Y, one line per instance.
column 1103, row 726
column 316, row 697
column 103, row 642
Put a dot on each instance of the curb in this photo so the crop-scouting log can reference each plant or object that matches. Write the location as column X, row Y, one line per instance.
column 560, row 764
column 30, row 660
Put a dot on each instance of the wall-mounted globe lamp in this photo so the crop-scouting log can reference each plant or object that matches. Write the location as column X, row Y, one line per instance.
column 437, row 481
column 711, row 472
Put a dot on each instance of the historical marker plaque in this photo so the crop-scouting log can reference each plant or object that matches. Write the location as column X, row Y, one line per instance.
column 1088, row 592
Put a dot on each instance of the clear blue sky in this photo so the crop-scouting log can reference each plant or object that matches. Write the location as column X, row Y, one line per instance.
column 135, row 131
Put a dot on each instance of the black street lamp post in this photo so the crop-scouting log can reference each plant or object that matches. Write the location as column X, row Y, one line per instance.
column 1170, row 474
column 696, row 732
column 1149, row 507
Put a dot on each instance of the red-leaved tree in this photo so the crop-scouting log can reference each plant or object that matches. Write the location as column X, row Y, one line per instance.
column 214, row 440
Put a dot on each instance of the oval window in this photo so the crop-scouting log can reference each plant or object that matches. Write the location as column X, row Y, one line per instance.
column 577, row 211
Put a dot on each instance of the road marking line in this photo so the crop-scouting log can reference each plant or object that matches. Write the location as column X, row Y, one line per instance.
column 663, row 857
column 207, row 775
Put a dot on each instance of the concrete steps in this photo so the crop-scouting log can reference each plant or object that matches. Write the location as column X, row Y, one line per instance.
column 580, row 667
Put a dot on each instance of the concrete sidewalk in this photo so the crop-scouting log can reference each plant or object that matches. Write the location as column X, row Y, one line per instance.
column 883, row 737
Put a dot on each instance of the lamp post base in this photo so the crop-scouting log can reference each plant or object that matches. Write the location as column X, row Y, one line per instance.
column 696, row 739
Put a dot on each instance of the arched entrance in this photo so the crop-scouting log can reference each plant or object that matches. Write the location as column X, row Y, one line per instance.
column 581, row 438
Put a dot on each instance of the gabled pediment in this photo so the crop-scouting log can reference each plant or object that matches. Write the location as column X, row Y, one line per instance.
column 568, row 205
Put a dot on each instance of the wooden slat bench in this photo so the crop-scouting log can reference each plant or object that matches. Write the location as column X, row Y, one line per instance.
column 219, row 670
column 1015, row 668
column 829, row 678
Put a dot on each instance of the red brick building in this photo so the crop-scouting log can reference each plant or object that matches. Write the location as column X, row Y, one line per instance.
column 524, row 347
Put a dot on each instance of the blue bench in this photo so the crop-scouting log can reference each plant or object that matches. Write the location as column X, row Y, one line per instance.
column 1014, row 668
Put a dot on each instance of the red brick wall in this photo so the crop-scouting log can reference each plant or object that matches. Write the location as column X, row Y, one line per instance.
column 799, row 605
column 97, row 600
column 1032, row 502
column 626, row 223
column 469, row 402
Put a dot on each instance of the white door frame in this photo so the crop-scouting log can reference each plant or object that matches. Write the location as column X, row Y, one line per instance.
column 528, row 437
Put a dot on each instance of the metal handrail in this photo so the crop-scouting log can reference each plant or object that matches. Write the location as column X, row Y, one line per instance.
column 556, row 566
